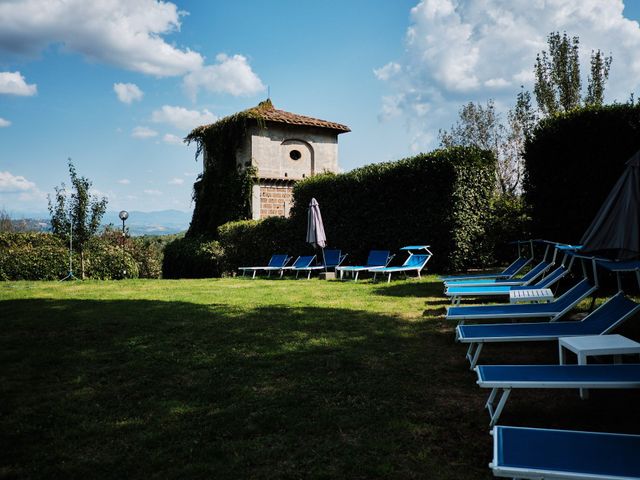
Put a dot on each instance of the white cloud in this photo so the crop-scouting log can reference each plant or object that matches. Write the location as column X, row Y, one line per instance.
column 176, row 181
column 10, row 183
column 124, row 33
column 13, row 83
column 390, row 70
column 231, row 75
column 127, row 92
column 152, row 192
column 4, row 123
column 124, row 181
column 172, row 139
column 472, row 50
column 143, row 132
column 182, row 118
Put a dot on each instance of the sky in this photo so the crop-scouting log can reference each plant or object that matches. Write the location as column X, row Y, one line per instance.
column 115, row 85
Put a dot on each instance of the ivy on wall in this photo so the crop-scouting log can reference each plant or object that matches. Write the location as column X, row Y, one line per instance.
column 222, row 192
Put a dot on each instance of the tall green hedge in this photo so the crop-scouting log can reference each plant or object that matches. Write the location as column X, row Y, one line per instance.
column 572, row 162
column 192, row 257
column 440, row 198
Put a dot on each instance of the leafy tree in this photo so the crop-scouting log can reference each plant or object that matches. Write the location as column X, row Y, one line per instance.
column 558, row 84
column 79, row 210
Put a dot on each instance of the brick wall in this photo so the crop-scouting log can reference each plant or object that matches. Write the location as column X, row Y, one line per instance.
column 275, row 200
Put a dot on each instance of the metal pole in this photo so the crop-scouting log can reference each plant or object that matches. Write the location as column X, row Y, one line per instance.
column 124, row 271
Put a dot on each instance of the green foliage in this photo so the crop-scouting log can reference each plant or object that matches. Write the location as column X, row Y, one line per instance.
column 79, row 210
column 223, row 191
column 32, row 256
column 508, row 221
column 192, row 257
column 441, row 199
column 572, row 162
column 558, row 84
column 252, row 242
column 107, row 262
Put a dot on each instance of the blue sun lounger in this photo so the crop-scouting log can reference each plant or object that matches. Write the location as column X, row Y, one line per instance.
column 508, row 272
column 376, row 259
column 301, row 264
column 276, row 264
column 550, row 311
column 414, row 263
column 526, row 279
column 536, row 453
column 332, row 260
column 504, row 378
column 457, row 293
column 602, row 320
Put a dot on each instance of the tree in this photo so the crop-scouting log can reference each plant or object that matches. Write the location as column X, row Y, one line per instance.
column 6, row 224
column 557, row 76
column 79, row 210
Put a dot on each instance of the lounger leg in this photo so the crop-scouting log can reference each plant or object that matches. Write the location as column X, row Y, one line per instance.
column 297, row 273
column 389, row 279
column 474, row 353
column 495, row 411
column 281, row 273
column 254, row 274
column 356, row 279
column 309, row 275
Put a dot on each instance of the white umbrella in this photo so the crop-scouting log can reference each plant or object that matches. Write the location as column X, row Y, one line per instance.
column 315, row 228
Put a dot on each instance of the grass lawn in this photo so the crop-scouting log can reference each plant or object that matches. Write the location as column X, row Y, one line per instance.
column 234, row 378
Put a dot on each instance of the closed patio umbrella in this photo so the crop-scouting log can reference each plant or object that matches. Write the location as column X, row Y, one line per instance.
column 615, row 231
column 315, row 228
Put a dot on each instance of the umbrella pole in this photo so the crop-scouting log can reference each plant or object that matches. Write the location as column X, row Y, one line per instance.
column 324, row 262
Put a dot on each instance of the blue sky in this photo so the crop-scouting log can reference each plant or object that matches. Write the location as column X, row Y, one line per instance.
column 115, row 84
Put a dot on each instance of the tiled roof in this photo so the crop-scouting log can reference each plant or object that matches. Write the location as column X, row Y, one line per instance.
column 267, row 112
column 271, row 114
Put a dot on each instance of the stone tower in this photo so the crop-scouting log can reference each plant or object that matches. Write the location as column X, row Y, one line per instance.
column 284, row 147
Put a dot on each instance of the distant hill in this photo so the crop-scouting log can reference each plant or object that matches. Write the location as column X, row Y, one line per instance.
column 162, row 222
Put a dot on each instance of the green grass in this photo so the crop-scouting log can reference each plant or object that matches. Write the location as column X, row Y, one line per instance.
column 234, row 378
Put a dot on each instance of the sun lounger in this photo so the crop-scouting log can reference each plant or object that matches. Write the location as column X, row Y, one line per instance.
column 550, row 311
column 301, row 264
column 535, row 453
column 414, row 263
column 602, row 320
column 531, row 276
column 332, row 260
column 504, row 378
column 510, row 271
column 276, row 264
column 376, row 259
column 457, row 293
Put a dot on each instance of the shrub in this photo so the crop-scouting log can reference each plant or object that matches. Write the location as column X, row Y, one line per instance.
column 508, row 221
column 192, row 257
column 33, row 256
column 572, row 162
column 105, row 261
column 252, row 242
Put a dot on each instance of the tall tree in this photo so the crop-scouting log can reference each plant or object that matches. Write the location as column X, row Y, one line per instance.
column 481, row 126
column 599, row 75
column 79, row 210
column 557, row 76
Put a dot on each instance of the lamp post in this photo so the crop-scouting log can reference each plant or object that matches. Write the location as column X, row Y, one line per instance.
column 123, row 216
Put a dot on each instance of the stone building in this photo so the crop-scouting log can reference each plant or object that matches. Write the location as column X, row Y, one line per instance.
column 284, row 147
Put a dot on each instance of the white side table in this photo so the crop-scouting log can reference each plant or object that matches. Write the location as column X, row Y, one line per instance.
column 531, row 295
column 592, row 345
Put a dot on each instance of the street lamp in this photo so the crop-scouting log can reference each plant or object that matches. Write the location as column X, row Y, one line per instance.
column 123, row 216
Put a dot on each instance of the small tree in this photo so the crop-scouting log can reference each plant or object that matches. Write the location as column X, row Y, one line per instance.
column 558, row 84
column 79, row 210
column 6, row 225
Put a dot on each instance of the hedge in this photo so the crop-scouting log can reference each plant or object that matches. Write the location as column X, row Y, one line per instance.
column 192, row 257
column 44, row 256
column 441, row 199
column 572, row 162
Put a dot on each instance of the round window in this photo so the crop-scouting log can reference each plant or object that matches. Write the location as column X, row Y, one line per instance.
column 295, row 154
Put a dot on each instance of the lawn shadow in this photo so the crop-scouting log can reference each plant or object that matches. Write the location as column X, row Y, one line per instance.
column 133, row 388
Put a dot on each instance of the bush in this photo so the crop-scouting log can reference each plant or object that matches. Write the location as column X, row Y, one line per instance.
column 33, row 256
column 105, row 261
column 192, row 257
column 252, row 242
column 508, row 221
column 572, row 162
column 441, row 199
